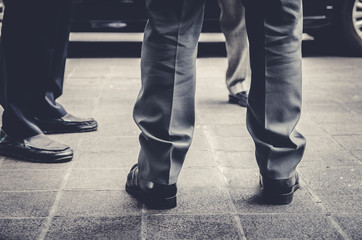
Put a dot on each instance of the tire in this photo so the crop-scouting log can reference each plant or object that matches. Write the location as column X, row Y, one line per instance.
column 350, row 25
column 1, row 10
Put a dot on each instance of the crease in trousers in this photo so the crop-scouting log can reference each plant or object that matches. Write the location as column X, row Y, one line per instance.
column 165, row 108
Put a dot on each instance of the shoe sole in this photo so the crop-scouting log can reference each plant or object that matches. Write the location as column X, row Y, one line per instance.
column 280, row 199
column 60, row 159
column 70, row 130
column 153, row 203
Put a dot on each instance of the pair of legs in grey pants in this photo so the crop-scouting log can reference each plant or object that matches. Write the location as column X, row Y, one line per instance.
column 232, row 23
column 164, row 110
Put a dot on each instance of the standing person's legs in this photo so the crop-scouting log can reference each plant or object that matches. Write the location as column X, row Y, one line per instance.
column 232, row 23
column 275, row 35
column 28, row 57
column 164, row 110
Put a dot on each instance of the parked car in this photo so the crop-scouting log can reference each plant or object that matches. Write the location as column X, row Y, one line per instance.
column 1, row 10
column 337, row 21
column 332, row 21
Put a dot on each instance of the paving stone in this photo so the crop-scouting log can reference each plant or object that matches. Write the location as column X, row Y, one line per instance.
column 242, row 178
column 12, row 164
column 191, row 227
column 97, row 179
column 357, row 154
column 332, row 179
column 343, row 129
column 288, row 226
column 200, row 158
column 234, row 160
column 26, row 204
column 351, row 142
column 22, row 229
column 249, row 201
column 19, row 180
column 200, row 200
column 97, row 203
column 109, row 144
column 351, row 225
column 339, row 189
column 125, row 227
column 227, row 130
column 201, row 177
column 201, row 142
column 99, row 160
column 232, row 144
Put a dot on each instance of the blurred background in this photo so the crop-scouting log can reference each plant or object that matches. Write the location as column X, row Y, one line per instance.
column 333, row 27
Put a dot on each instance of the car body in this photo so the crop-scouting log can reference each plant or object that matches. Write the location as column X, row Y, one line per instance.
column 334, row 19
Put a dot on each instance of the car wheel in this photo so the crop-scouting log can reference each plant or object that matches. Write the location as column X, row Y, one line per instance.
column 1, row 10
column 351, row 24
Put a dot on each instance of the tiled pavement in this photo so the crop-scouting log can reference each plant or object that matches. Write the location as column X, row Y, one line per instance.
column 85, row 199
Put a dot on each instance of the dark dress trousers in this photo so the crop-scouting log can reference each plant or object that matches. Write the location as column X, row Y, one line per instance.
column 164, row 110
column 33, row 51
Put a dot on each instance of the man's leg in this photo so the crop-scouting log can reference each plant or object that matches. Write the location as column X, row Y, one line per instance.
column 164, row 110
column 232, row 23
column 275, row 35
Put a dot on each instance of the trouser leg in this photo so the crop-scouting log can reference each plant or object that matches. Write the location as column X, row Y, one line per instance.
column 164, row 110
column 232, row 23
column 33, row 39
column 275, row 35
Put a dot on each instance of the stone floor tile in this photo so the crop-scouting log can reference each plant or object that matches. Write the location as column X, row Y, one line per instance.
column 12, row 164
column 125, row 227
column 199, row 158
column 105, row 179
column 232, row 144
column 242, row 178
column 332, row 179
column 99, row 160
column 227, row 130
column 249, row 201
column 288, row 226
column 201, row 177
column 244, row 160
column 200, row 200
column 107, row 144
column 172, row 227
column 24, row 229
column 351, row 225
column 351, row 142
column 97, row 203
column 19, row 180
column 26, row 204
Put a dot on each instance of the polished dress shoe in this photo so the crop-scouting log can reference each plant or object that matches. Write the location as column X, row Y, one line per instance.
column 240, row 98
column 279, row 192
column 67, row 124
column 153, row 195
column 39, row 148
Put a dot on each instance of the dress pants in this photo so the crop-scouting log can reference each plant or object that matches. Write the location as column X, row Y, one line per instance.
column 33, row 53
column 232, row 23
column 164, row 110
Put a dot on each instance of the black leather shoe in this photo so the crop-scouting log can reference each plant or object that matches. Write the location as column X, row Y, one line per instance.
column 240, row 98
column 279, row 192
column 67, row 124
column 39, row 148
column 153, row 195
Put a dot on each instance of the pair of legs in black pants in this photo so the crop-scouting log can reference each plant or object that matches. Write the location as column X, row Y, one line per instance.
column 33, row 51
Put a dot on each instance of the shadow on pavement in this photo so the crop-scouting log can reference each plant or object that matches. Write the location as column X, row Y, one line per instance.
column 206, row 49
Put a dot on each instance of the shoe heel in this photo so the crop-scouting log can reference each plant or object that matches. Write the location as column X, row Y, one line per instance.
column 280, row 199
column 161, row 203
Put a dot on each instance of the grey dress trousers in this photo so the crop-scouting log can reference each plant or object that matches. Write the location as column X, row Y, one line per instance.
column 164, row 110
